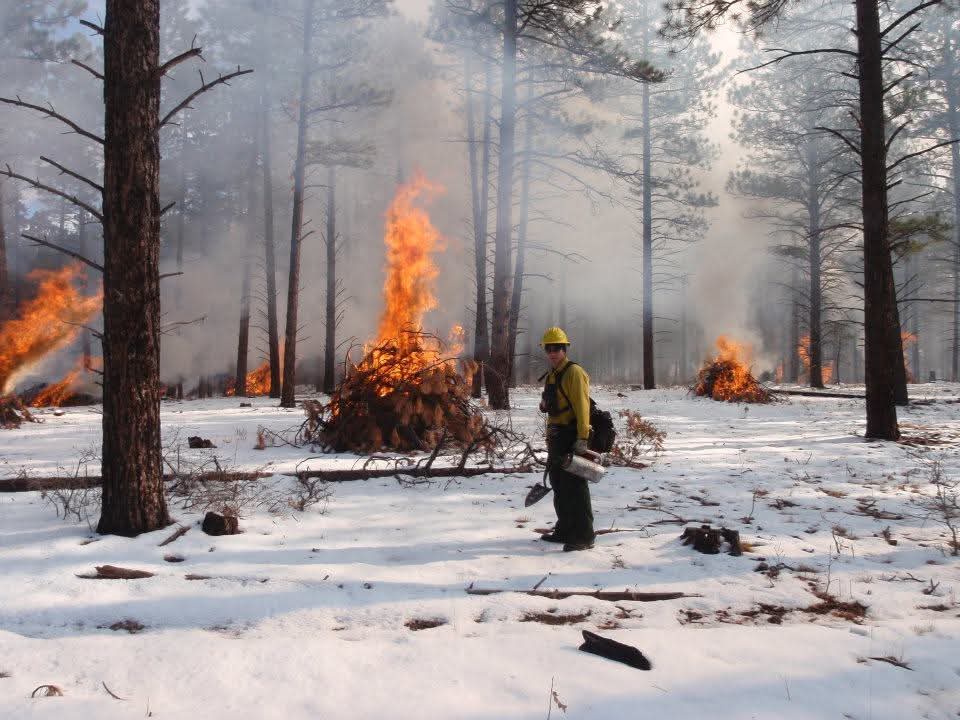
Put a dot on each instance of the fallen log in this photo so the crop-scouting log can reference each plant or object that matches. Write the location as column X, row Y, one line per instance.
column 608, row 595
column 28, row 484
column 819, row 393
column 613, row 650
column 112, row 572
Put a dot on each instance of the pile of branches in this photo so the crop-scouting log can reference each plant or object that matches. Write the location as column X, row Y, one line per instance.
column 13, row 412
column 727, row 380
column 394, row 400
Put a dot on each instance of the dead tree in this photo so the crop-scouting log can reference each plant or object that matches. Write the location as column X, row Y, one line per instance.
column 288, row 387
column 243, row 339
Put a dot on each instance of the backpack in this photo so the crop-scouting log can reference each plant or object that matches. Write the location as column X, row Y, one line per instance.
column 602, row 432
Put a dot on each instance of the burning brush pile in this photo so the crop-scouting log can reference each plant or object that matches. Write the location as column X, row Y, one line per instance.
column 408, row 392
column 47, row 322
column 727, row 377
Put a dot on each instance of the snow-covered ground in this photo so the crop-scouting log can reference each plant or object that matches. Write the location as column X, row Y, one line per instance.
column 304, row 615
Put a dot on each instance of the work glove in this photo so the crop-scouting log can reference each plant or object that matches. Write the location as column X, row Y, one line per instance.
column 580, row 447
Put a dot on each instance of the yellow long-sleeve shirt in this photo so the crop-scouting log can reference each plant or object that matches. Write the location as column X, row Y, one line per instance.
column 576, row 386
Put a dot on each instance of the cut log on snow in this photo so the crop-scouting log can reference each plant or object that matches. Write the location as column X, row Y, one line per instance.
column 608, row 595
column 112, row 572
column 710, row 540
column 613, row 650
column 217, row 524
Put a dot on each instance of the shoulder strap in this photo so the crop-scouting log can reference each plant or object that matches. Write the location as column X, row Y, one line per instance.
column 560, row 387
column 557, row 378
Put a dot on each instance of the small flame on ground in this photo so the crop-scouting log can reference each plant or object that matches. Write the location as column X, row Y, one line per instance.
column 47, row 322
column 60, row 393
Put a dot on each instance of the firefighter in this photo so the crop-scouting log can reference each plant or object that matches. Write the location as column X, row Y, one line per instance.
column 566, row 400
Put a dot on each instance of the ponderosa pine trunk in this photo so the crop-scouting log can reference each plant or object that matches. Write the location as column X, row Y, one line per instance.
column 883, row 351
column 793, row 352
column 498, row 391
column 953, row 123
column 133, row 500
column 270, row 252
column 243, row 336
column 288, row 388
column 649, row 381
column 480, row 196
column 815, row 348
column 330, row 341
column 6, row 291
column 83, row 247
column 524, row 222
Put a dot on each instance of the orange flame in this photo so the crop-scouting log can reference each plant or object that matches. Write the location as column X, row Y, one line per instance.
column 738, row 382
column 803, row 350
column 43, row 324
column 258, row 382
column 401, row 350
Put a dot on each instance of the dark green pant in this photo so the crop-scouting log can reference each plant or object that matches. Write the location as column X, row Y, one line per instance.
column 571, row 493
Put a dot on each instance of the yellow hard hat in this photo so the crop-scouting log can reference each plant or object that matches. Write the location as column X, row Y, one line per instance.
column 554, row 336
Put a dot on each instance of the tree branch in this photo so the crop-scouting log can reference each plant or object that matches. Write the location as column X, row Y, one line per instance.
column 52, row 190
column 170, row 64
column 204, row 87
column 97, row 75
column 908, row 14
column 50, row 112
column 922, row 152
column 71, row 173
column 96, row 28
column 840, row 135
column 75, row 255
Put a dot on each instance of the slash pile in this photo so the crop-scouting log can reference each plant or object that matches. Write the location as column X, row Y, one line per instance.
column 727, row 378
column 404, row 396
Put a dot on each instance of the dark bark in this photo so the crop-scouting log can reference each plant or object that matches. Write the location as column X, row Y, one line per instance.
column 296, row 231
column 243, row 337
column 330, row 341
column 85, row 250
column 480, row 195
column 524, row 223
column 815, row 349
column 881, row 323
column 133, row 500
column 269, row 250
column 649, row 382
column 6, row 291
column 498, row 391
column 953, row 123
column 793, row 353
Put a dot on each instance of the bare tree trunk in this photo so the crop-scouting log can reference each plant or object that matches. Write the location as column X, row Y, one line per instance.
column 793, row 368
column 480, row 194
column 683, row 363
column 296, row 231
column 6, row 291
column 649, row 379
column 84, row 250
column 243, row 338
column 815, row 351
column 881, row 323
column 953, row 122
column 517, row 294
column 498, row 391
column 133, row 500
column 330, row 344
column 269, row 248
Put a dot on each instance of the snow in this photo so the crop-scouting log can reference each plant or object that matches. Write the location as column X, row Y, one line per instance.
column 303, row 614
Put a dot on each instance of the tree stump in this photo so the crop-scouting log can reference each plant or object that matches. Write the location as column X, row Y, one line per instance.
column 217, row 524
column 710, row 540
